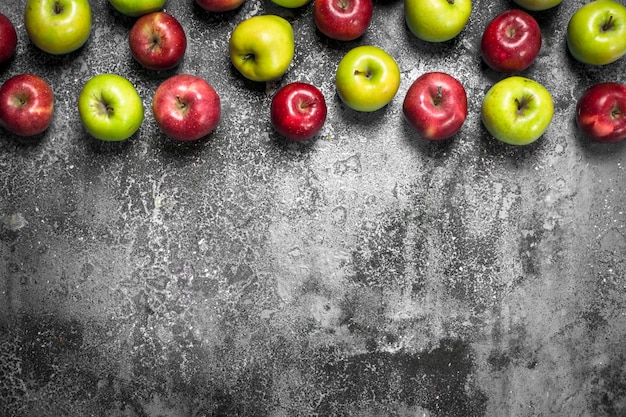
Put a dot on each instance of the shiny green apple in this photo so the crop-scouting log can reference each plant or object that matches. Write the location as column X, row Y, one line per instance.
column 291, row 4
column 58, row 26
column 537, row 5
column 596, row 33
column 137, row 8
column 367, row 78
column 262, row 47
column 110, row 107
column 437, row 20
column 517, row 110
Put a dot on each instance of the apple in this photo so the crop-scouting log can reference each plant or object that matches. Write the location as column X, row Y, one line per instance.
column 601, row 112
column 367, row 78
column 343, row 20
column 435, row 105
column 157, row 41
column 298, row 111
column 8, row 39
column 136, row 8
column 537, row 5
column 26, row 105
column 262, row 47
column 58, row 26
column 219, row 6
column 437, row 20
column 186, row 107
column 291, row 4
column 110, row 107
column 596, row 32
column 511, row 41
column 517, row 110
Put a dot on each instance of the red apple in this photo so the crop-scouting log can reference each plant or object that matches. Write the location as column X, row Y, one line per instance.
column 435, row 105
column 157, row 41
column 298, row 111
column 511, row 41
column 26, row 105
column 8, row 39
column 601, row 112
column 343, row 20
column 218, row 6
column 186, row 107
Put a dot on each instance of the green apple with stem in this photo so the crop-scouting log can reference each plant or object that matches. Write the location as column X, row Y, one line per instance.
column 437, row 20
column 596, row 32
column 136, row 8
column 367, row 78
column 110, row 107
column 517, row 110
column 537, row 5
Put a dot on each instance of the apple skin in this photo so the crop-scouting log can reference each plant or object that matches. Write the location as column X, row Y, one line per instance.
column 157, row 41
column 136, row 8
column 8, row 39
column 537, row 5
column 219, row 6
column 298, row 111
column 58, row 26
column 517, row 110
column 511, row 41
column 601, row 112
column 435, row 105
column 262, row 47
column 437, row 20
column 26, row 105
column 343, row 20
column 367, row 78
column 596, row 32
column 186, row 107
column 291, row 4
column 110, row 107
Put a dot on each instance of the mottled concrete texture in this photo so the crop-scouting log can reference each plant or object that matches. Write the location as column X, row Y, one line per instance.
column 366, row 273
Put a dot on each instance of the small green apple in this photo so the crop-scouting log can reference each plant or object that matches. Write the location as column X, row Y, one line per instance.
column 596, row 33
column 367, row 78
column 517, row 110
column 58, row 26
column 136, row 8
column 110, row 107
column 262, row 47
column 537, row 5
column 291, row 4
column 437, row 20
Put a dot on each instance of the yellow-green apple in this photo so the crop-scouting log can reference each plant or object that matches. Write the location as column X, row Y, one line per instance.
column 186, row 107
column 511, row 41
column 58, row 26
column 291, row 4
column 343, row 20
column 110, row 107
column 517, row 110
column 437, row 20
column 26, row 105
column 367, row 78
column 157, row 41
column 596, row 32
column 8, row 39
column 298, row 111
column 601, row 112
column 435, row 105
column 136, row 8
column 537, row 5
column 219, row 6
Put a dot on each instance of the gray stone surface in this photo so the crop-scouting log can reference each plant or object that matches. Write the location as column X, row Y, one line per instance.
column 366, row 273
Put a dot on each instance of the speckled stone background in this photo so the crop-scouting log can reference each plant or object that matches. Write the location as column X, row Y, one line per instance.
column 365, row 273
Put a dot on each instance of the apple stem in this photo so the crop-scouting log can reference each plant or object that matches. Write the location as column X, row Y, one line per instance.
column 439, row 97
column 366, row 73
column 616, row 113
column 450, row 1
column 522, row 104
column 58, row 7
column 608, row 25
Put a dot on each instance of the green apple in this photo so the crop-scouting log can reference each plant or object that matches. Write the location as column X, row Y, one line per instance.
column 536, row 5
column 262, row 47
column 136, row 8
column 437, row 20
column 110, row 107
column 596, row 33
column 367, row 78
column 58, row 26
column 517, row 110
column 291, row 4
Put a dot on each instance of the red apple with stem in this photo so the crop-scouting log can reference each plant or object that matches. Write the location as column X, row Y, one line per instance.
column 435, row 105
column 26, row 105
column 511, row 41
column 218, row 6
column 8, row 39
column 157, row 41
column 343, row 20
column 186, row 107
column 601, row 112
column 298, row 111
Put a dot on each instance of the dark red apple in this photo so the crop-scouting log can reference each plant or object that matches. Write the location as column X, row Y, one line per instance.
column 157, row 41
column 511, row 41
column 435, row 105
column 343, row 20
column 601, row 112
column 218, row 6
column 8, row 39
column 186, row 107
column 298, row 111
column 26, row 105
